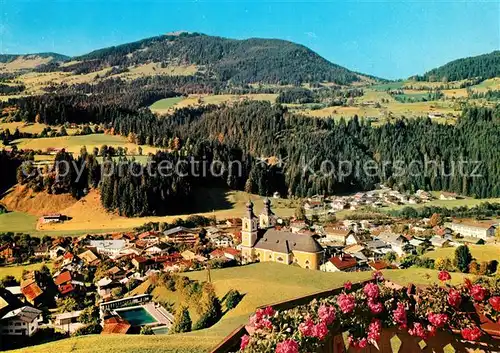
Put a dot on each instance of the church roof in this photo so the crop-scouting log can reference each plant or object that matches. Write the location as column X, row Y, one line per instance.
column 286, row 242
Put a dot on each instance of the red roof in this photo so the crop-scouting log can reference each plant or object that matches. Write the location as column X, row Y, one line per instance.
column 217, row 253
column 140, row 259
column 32, row 291
column 115, row 325
column 347, row 261
column 68, row 256
column 63, row 277
column 66, row 288
column 378, row 265
column 232, row 251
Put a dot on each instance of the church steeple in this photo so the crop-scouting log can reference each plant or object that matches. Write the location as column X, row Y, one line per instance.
column 249, row 226
column 267, row 219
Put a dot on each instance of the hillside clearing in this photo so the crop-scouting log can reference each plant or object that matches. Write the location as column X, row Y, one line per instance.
column 88, row 213
column 481, row 253
column 17, row 270
column 73, row 144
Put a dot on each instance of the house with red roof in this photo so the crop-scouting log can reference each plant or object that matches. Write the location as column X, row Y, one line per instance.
column 342, row 262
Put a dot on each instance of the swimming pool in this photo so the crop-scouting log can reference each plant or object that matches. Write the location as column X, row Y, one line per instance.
column 136, row 316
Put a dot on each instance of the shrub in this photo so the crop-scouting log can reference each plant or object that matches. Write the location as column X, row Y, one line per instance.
column 147, row 330
column 91, row 329
column 232, row 299
column 182, row 321
column 463, row 258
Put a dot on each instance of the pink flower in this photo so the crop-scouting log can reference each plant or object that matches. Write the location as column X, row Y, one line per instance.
column 326, row 313
column 245, row 340
column 400, row 315
column 454, row 298
column 378, row 276
column 346, row 302
column 260, row 319
column 375, row 307
column 374, row 330
column 320, row 330
column 495, row 303
column 348, row 285
column 444, row 276
column 471, row 334
column 371, row 290
column 438, row 320
column 418, row 330
column 478, row 293
column 287, row 346
column 357, row 344
column 306, row 327
column 269, row 311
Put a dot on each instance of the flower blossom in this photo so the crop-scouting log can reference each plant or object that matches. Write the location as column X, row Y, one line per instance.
column 371, row 290
column 495, row 303
column 438, row 320
column 287, row 346
column 454, row 298
column 400, row 315
column 478, row 293
column 358, row 344
column 418, row 330
column 346, row 302
column 326, row 314
column 245, row 340
column 348, row 285
column 306, row 327
column 471, row 334
column 320, row 330
column 260, row 320
column 444, row 276
column 375, row 307
column 374, row 330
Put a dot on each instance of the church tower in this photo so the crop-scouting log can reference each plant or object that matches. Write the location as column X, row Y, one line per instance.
column 267, row 219
column 249, row 227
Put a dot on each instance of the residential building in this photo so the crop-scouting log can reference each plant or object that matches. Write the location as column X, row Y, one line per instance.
column 473, row 229
column 21, row 322
column 342, row 262
column 110, row 248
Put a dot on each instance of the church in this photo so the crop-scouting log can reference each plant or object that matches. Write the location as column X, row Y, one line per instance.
column 261, row 242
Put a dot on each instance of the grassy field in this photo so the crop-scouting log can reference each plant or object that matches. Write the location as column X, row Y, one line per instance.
column 164, row 105
column 88, row 216
column 481, row 253
column 20, row 222
column 261, row 284
column 74, row 143
column 32, row 128
column 388, row 85
column 17, row 270
column 466, row 201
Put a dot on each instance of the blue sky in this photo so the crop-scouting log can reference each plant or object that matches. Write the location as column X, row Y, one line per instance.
column 390, row 39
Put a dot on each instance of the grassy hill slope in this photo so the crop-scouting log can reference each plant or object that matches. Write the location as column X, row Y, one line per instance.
column 261, row 284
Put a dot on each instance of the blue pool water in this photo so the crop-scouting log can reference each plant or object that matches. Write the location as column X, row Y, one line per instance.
column 136, row 316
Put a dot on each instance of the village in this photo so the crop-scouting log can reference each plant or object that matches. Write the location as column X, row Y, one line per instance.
column 92, row 277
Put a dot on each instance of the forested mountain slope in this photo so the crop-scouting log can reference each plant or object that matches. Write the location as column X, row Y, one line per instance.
column 484, row 66
column 238, row 61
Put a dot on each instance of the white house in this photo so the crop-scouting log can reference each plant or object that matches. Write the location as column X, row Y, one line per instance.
column 108, row 247
column 21, row 322
column 473, row 229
